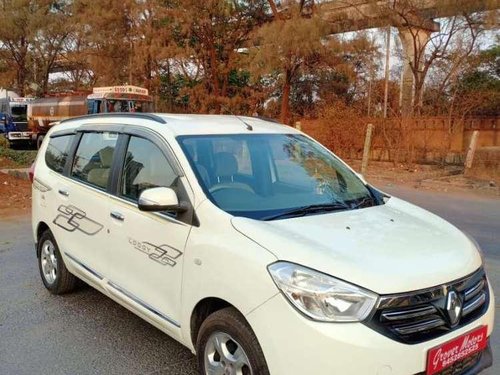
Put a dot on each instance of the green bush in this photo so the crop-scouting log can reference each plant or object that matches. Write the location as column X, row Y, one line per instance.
column 21, row 158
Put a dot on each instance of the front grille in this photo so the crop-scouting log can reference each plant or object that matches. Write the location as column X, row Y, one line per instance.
column 21, row 126
column 423, row 315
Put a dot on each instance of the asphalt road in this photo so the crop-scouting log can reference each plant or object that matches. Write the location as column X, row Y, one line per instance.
column 87, row 333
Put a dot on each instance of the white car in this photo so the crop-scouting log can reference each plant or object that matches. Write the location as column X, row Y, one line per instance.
column 257, row 248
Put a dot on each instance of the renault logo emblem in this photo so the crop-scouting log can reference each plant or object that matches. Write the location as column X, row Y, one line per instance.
column 453, row 307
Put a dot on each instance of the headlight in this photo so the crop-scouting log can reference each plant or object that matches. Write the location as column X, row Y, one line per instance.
column 322, row 297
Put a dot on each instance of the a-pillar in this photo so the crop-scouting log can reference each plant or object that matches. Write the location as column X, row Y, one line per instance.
column 414, row 41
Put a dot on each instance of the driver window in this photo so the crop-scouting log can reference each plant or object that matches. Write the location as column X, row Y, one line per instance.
column 145, row 167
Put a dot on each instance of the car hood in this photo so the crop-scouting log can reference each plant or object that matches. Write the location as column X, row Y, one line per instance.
column 391, row 248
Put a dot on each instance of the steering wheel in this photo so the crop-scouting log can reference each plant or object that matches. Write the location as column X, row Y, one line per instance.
column 231, row 185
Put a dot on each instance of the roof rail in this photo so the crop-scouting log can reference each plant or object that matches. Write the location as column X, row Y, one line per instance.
column 147, row 116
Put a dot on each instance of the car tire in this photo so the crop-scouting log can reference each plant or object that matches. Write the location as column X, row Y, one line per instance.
column 227, row 331
column 55, row 276
column 39, row 141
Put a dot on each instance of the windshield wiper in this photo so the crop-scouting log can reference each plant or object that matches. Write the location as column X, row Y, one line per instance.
column 311, row 209
column 363, row 202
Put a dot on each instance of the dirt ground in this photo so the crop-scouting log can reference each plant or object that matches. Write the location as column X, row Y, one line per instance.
column 7, row 163
column 15, row 196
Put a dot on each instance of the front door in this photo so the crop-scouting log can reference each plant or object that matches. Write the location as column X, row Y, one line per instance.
column 147, row 248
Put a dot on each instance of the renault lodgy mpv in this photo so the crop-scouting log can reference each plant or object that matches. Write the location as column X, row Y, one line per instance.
column 257, row 248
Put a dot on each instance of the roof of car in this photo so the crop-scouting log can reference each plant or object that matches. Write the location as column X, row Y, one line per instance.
column 220, row 124
column 192, row 124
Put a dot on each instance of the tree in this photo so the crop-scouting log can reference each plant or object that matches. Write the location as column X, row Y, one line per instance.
column 16, row 34
column 31, row 39
column 477, row 90
column 426, row 42
column 211, row 36
column 104, row 29
column 53, row 27
column 284, row 46
column 151, row 41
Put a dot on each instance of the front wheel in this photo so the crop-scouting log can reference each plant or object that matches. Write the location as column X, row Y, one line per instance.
column 226, row 345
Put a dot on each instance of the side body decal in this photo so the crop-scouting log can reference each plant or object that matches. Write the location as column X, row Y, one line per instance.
column 163, row 254
column 71, row 218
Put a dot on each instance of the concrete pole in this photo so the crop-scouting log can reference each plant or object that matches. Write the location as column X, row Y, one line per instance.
column 413, row 40
column 366, row 150
column 471, row 150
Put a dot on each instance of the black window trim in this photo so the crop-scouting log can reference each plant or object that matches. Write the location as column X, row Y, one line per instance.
column 124, row 133
column 134, row 130
column 68, row 156
column 71, row 154
column 70, row 161
column 187, row 217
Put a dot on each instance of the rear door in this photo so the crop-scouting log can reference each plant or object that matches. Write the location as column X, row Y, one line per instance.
column 50, row 184
column 83, row 215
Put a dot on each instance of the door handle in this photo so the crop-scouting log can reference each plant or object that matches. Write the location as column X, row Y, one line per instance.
column 117, row 215
column 64, row 192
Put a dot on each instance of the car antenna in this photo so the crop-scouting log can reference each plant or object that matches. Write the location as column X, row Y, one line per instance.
column 249, row 127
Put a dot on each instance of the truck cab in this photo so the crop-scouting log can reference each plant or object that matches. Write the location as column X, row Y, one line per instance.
column 14, row 119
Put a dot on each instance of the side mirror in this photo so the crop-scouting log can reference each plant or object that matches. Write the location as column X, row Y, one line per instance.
column 160, row 199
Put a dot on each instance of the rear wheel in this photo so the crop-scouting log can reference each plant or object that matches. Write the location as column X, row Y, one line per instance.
column 226, row 345
column 53, row 271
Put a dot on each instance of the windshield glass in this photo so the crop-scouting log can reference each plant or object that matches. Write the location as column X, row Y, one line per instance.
column 264, row 175
column 19, row 113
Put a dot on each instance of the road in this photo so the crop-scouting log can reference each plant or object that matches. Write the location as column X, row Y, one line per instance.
column 87, row 333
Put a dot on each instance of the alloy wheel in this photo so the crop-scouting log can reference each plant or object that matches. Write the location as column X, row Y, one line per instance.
column 225, row 356
column 48, row 260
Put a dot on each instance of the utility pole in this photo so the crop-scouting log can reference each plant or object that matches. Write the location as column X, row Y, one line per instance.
column 387, row 69
column 366, row 149
column 471, row 150
column 370, row 91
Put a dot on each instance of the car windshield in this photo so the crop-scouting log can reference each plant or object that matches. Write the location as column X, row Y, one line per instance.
column 268, row 176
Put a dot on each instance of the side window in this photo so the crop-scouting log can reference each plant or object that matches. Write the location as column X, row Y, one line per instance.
column 145, row 167
column 94, row 157
column 57, row 152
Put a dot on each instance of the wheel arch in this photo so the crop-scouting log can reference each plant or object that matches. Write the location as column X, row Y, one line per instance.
column 202, row 310
column 40, row 229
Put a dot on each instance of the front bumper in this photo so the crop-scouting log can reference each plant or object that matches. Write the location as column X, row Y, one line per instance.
column 19, row 136
column 293, row 344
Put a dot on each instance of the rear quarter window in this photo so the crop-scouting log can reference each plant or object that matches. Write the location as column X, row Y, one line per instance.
column 57, row 152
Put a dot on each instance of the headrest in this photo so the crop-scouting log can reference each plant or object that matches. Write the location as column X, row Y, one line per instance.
column 225, row 164
column 106, row 155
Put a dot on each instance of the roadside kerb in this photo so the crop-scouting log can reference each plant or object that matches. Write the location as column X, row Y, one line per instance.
column 22, row 173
